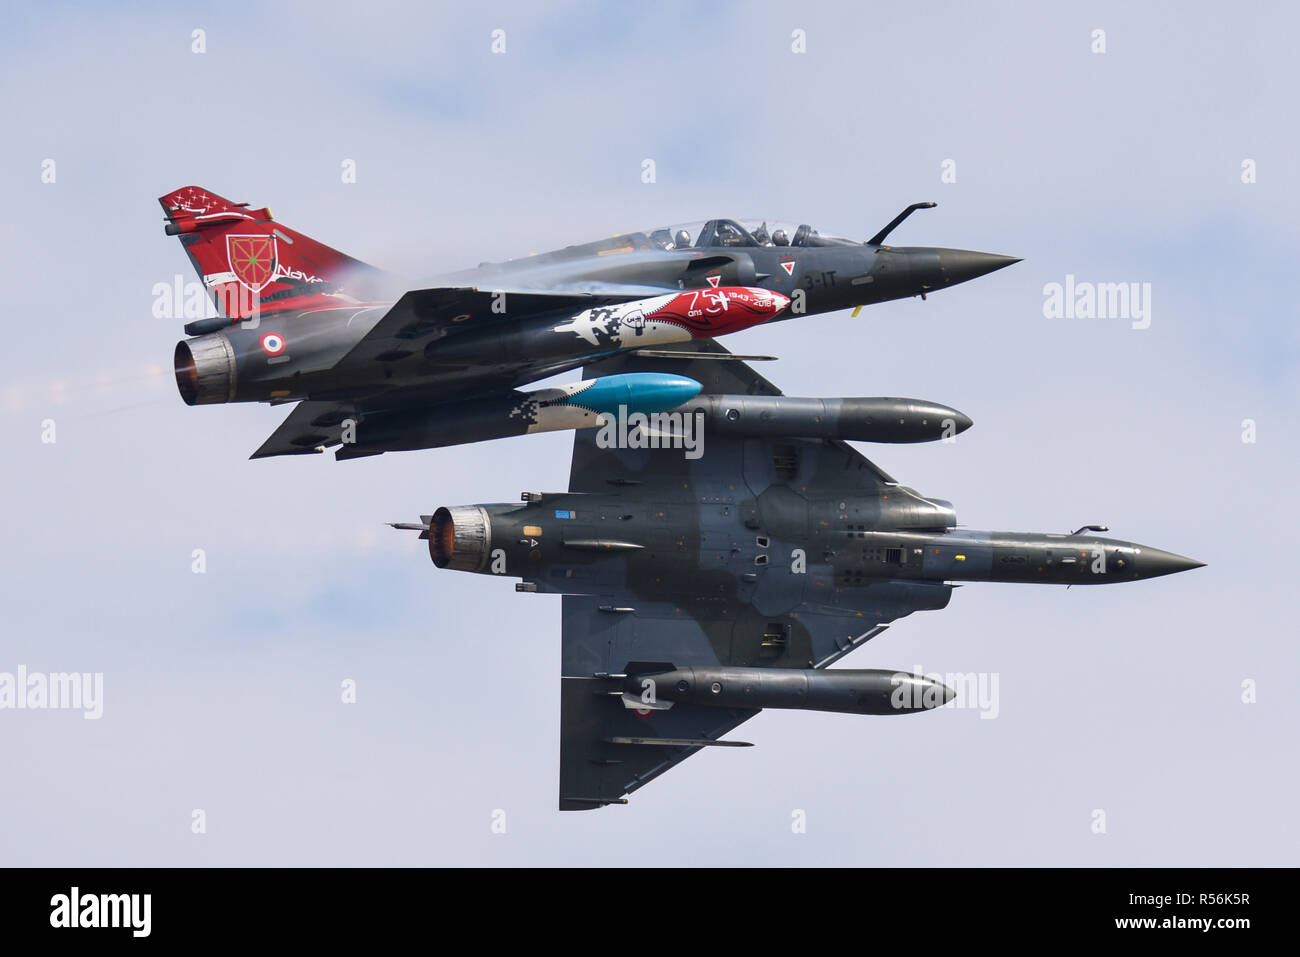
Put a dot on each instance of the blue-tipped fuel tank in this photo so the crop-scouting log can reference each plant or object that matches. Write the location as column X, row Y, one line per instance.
column 645, row 392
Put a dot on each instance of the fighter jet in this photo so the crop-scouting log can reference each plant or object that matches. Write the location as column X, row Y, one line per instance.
column 376, row 366
column 699, row 591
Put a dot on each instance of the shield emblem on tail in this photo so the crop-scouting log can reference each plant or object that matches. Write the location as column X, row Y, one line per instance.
column 252, row 260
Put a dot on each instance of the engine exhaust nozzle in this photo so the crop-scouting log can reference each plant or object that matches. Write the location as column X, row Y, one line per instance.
column 205, row 370
column 460, row 538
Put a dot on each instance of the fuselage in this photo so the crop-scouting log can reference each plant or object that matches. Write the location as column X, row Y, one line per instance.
column 288, row 355
column 817, row 279
column 786, row 546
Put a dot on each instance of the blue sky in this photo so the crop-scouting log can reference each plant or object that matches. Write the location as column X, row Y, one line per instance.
column 222, row 690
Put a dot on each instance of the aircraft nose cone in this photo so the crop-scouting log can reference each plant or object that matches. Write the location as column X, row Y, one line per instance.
column 1153, row 562
column 960, row 265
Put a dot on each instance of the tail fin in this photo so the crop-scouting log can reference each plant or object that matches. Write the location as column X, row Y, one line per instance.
column 252, row 265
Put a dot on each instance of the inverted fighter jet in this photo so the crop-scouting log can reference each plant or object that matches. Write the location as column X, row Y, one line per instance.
column 376, row 366
column 698, row 591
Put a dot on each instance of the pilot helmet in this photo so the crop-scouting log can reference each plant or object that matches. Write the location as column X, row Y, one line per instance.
column 682, row 239
column 779, row 238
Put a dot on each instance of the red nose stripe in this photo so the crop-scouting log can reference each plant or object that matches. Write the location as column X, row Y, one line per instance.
column 716, row 312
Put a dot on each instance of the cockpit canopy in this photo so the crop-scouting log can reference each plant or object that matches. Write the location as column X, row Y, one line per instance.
column 735, row 233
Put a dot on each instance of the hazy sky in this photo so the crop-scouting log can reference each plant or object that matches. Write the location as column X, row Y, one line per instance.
column 221, row 691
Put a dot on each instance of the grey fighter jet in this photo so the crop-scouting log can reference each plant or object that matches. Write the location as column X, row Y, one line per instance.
column 376, row 366
column 700, row 590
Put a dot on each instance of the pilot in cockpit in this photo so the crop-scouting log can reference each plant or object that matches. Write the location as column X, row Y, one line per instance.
column 779, row 238
column 728, row 234
column 682, row 240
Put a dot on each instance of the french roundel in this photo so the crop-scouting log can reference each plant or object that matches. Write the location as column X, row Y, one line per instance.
column 273, row 343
